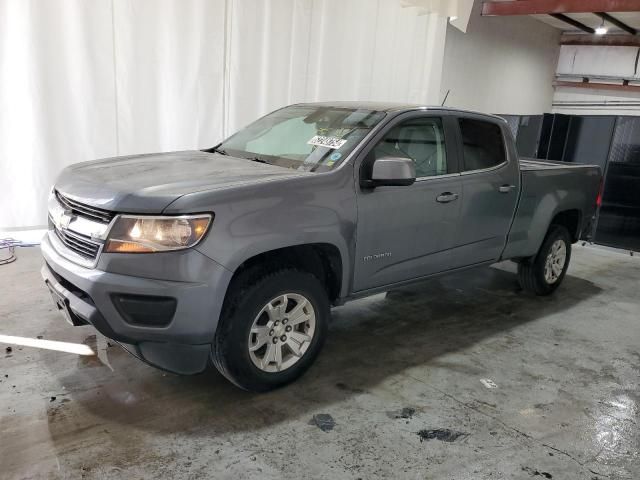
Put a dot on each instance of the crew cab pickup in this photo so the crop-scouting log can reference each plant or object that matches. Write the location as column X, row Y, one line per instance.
column 235, row 254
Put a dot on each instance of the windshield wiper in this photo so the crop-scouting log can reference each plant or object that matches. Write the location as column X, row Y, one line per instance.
column 256, row 159
column 218, row 150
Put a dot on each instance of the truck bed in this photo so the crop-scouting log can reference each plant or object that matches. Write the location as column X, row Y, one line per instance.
column 546, row 189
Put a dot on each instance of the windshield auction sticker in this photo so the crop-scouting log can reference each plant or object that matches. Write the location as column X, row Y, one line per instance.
column 329, row 142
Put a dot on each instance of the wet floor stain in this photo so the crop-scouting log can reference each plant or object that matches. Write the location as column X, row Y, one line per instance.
column 323, row 421
column 535, row 473
column 89, row 360
column 406, row 413
column 346, row 388
column 442, row 434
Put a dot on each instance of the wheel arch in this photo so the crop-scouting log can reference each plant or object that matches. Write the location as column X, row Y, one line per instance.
column 323, row 260
column 570, row 219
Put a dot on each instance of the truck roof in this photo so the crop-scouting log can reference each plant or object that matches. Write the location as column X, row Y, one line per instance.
column 395, row 107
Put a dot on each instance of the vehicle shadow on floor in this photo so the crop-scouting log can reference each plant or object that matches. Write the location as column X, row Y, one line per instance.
column 369, row 341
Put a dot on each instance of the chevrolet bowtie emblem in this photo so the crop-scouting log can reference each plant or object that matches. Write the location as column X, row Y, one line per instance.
column 65, row 219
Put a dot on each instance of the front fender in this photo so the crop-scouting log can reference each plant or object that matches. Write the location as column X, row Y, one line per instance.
column 249, row 221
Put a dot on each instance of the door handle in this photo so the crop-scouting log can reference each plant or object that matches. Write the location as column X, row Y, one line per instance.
column 447, row 197
column 506, row 188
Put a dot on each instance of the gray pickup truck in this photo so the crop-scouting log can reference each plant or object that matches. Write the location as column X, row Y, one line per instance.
column 236, row 254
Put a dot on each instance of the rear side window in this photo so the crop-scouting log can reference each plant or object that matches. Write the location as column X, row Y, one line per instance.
column 483, row 144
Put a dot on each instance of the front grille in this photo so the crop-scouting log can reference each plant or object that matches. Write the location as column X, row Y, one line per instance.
column 99, row 214
column 78, row 243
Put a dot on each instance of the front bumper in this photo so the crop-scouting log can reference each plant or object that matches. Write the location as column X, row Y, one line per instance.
column 197, row 283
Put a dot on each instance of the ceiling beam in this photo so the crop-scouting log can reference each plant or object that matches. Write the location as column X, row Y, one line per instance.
column 542, row 7
column 604, row 40
column 617, row 23
column 598, row 86
column 572, row 22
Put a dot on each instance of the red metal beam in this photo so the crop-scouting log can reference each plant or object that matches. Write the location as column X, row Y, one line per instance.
column 605, row 40
column 598, row 86
column 545, row 7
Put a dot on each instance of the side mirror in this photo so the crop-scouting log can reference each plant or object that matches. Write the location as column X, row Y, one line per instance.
column 392, row 172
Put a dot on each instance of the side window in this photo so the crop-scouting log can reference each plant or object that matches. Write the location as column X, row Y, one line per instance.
column 420, row 139
column 483, row 144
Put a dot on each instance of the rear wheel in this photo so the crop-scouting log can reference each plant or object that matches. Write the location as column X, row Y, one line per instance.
column 544, row 272
column 271, row 329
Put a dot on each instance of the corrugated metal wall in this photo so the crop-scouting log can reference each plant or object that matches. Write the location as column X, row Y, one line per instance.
column 613, row 143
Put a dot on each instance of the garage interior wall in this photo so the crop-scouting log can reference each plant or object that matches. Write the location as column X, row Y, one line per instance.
column 599, row 64
column 82, row 80
column 578, row 101
column 501, row 65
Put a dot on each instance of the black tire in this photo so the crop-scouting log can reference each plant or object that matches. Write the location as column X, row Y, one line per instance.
column 531, row 271
column 247, row 296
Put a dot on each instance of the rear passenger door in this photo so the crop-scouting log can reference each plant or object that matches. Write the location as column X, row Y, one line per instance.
column 490, row 187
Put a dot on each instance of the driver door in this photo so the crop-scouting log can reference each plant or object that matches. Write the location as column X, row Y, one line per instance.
column 405, row 232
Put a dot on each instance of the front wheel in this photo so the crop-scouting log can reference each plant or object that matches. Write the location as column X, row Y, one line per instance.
column 544, row 272
column 271, row 329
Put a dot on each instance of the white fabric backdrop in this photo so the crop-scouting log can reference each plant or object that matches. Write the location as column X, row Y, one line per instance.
column 82, row 80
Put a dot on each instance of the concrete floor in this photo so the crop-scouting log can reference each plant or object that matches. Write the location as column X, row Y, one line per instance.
column 531, row 387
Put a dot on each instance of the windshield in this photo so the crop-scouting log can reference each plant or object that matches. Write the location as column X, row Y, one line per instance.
column 307, row 137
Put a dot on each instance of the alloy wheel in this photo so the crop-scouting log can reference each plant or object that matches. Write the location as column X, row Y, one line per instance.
column 282, row 332
column 556, row 259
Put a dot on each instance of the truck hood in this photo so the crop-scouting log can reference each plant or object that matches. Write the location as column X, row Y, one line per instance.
column 149, row 183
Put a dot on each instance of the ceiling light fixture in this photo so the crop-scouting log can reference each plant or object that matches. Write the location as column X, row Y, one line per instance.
column 601, row 30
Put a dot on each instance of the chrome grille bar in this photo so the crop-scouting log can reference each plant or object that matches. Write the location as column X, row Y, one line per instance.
column 104, row 216
column 79, row 245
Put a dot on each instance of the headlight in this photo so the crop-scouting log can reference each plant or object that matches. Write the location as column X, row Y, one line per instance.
column 139, row 234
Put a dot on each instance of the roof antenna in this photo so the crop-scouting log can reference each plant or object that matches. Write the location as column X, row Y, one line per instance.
column 445, row 98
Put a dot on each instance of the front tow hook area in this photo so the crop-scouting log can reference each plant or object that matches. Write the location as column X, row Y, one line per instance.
column 63, row 306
